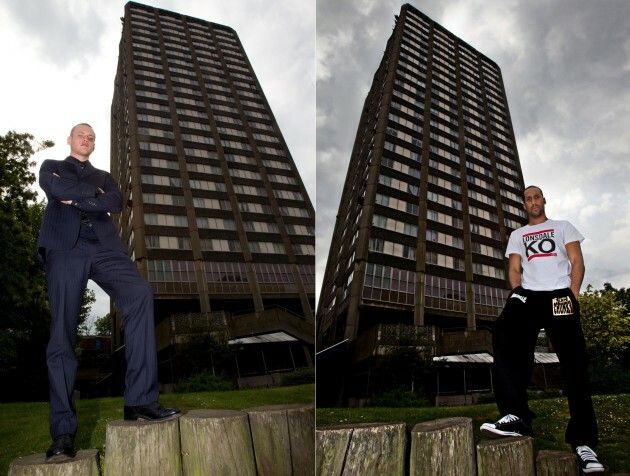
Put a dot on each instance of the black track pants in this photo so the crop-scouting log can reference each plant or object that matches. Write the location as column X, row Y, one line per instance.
column 514, row 340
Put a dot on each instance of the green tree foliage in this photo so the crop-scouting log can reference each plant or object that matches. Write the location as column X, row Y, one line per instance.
column 606, row 325
column 403, row 370
column 88, row 299
column 103, row 325
column 622, row 295
column 205, row 353
column 23, row 300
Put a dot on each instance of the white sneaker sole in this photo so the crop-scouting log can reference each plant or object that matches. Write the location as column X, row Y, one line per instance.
column 594, row 470
column 490, row 430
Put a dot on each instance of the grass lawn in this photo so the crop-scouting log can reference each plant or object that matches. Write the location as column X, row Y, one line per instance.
column 24, row 428
column 613, row 416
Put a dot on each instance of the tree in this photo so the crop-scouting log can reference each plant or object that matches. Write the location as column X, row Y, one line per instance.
column 23, row 300
column 606, row 325
column 103, row 325
column 89, row 298
column 622, row 295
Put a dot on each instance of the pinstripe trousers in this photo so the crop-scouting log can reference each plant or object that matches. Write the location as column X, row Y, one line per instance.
column 67, row 274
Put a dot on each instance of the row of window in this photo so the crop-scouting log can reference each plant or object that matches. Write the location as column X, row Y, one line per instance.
column 398, row 226
column 221, row 272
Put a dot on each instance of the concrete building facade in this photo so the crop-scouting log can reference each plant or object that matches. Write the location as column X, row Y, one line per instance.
column 217, row 217
column 432, row 192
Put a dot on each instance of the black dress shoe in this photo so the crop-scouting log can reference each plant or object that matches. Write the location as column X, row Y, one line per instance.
column 150, row 412
column 61, row 449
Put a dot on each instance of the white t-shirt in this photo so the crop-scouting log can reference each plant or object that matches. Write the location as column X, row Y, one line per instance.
column 543, row 254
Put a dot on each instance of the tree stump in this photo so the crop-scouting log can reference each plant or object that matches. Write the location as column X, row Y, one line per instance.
column 143, row 448
column 362, row 449
column 216, row 442
column 84, row 464
column 506, row 456
column 443, row 447
column 284, row 440
column 556, row 463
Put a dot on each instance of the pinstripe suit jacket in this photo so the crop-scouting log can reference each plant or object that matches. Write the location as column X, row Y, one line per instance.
column 61, row 224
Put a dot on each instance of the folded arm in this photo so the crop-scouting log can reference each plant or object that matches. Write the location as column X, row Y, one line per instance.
column 108, row 199
column 84, row 196
column 61, row 188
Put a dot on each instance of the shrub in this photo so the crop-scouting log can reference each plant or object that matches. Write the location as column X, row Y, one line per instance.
column 539, row 394
column 299, row 377
column 204, row 382
column 607, row 379
column 399, row 398
column 484, row 398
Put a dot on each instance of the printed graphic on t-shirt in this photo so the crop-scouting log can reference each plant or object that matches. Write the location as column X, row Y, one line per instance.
column 562, row 306
column 540, row 244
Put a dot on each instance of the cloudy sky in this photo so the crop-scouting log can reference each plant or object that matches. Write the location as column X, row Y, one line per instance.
column 59, row 62
column 565, row 63
column 566, row 69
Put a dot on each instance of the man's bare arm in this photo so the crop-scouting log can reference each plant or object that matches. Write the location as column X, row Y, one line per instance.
column 574, row 253
column 514, row 270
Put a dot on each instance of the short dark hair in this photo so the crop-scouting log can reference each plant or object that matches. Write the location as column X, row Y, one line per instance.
column 533, row 186
column 80, row 124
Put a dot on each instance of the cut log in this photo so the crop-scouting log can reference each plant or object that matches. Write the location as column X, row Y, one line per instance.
column 506, row 456
column 143, row 448
column 216, row 442
column 556, row 463
column 443, row 447
column 84, row 464
column 284, row 439
column 362, row 449
column 332, row 445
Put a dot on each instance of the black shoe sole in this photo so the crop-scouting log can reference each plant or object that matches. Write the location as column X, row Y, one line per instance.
column 60, row 458
column 152, row 420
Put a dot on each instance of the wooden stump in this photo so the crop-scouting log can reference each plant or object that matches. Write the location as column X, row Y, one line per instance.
column 84, row 464
column 443, row 447
column 332, row 445
column 556, row 463
column 362, row 449
column 216, row 442
column 506, row 456
column 284, row 440
column 143, row 448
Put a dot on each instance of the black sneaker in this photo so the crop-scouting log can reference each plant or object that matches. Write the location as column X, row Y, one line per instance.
column 588, row 460
column 509, row 425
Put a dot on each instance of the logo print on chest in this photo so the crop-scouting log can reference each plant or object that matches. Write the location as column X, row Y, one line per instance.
column 540, row 244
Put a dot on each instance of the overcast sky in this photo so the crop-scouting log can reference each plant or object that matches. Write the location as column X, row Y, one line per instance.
column 565, row 64
column 566, row 70
column 60, row 56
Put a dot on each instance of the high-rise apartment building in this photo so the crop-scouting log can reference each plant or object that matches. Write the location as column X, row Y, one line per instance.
column 432, row 192
column 217, row 217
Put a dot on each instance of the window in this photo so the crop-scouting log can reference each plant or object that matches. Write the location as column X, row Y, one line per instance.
column 379, row 245
column 168, row 242
column 445, row 261
column 487, row 270
column 165, row 220
column 395, row 225
column 266, row 247
column 385, row 283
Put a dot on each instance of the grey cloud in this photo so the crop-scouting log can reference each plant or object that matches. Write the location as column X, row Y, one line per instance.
column 64, row 31
column 566, row 67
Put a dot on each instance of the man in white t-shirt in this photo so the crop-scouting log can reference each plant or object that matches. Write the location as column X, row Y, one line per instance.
column 546, row 269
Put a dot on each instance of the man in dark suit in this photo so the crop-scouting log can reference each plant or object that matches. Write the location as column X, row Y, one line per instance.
column 78, row 241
